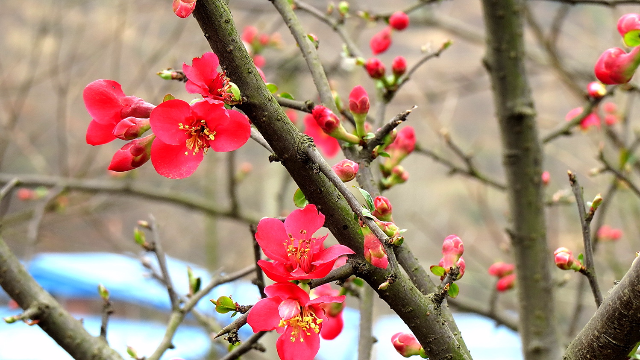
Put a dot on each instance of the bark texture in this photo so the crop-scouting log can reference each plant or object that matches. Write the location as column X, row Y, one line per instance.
column 614, row 329
column 522, row 160
column 52, row 318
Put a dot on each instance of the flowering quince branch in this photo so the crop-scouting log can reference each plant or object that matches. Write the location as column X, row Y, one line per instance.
column 306, row 106
column 250, row 344
column 155, row 246
column 565, row 129
column 387, row 129
column 585, row 222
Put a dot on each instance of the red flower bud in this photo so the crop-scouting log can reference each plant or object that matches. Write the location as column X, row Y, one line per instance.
column 131, row 128
column 405, row 141
column 615, row 66
column 383, row 208
column 452, row 249
column 607, row 233
column 375, row 68
column 399, row 66
column 325, row 118
column 590, row 120
column 25, row 194
column 249, row 34
column 346, row 170
column 132, row 155
column 596, row 90
column 183, row 8
column 629, row 28
column 546, row 177
column 564, row 260
column 506, row 283
column 358, row 101
column 399, row 20
column 374, row 251
column 501, row 269
column 381, row 41
column 406, row 344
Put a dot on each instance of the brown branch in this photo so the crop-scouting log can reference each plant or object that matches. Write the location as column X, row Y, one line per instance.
column 52, row 318
column 156, row 248
column 585, row 223
column 245, row 347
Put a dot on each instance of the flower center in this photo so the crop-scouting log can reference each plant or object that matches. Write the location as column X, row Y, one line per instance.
column 302, row 324
column 219, row 88
column 199, row 136
column 300, row 252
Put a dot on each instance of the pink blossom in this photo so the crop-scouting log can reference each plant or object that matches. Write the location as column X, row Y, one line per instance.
column 506, row 283
column 183, row 8
column 406, row 344
column 204, row 79
column 616, row 66
column 327, row 144
column 399, row 20
column 501, row 269
column 346, row 170
column 381, row 41
column 375, row 68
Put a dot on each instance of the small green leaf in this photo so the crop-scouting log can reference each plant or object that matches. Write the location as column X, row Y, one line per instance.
column 168, row 97
column 581, row 258
column 369, row 136
column 367, row 198
column 453, row 290
column 437, row 270
column 139, row 237
column 366, row 213
column 235, row 90
column 299, row 199
column 632, row 38
column 384, row 154
column 272, row 88
column 286, row 95
column 358, row 282
column 224, row 304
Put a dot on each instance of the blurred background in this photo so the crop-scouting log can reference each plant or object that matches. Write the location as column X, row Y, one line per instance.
column 53, row 49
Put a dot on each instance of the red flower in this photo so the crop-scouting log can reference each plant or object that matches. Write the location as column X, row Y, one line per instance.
column 629, row 28
column 204, row 79
column 289, row 310
column 295, row 253
column 183, row 8
column 185, row 132
column 326, row 143
column 374, row 251
column 333, row 327
column 399, row 20
column 108, row 105
column 381, row 41
column 359, row 101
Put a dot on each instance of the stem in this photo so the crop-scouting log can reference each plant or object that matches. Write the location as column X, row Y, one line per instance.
column 156, row 247
column 365, row 337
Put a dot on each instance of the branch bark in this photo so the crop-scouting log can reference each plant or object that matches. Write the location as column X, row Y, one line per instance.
column 522, row 158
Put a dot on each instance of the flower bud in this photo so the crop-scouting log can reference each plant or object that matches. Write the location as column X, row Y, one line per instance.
column 375, row 68
column 406, row 344
column 505, row 283
column 597, row 201
column 452, row 250
column 590, row 120
column 358, row 101
column 461, row 267
column 546, row 177
column 398, row 176
column 629, row 28
column 399, row 20
column 607, row 233
column 131, row 128
column 564, row 260
column 374, row 251
column 405, row 142
column 132, row 155
column 381, row 41
column 399, row 66
column 501, row 269
column 326, row 119
column 383, row 208
column 249, row 34
column 25, row 194
column 343, row 8
column 183, row 8
column 346, row 170
column 596, row 90
column 615, row 66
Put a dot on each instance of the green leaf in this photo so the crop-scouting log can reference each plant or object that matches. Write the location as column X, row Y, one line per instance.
column 299, row 199
column 632, row 38
column 168, row 97
column 369, row 136
column 272, row 88
column 367, row 198
column 224, row 304
column 437, row 270
column 358, row 282
column 453, row 290
column 366, row 213
column 235, row 90
column 286, row 95
column 581, row 258
column 384, row 154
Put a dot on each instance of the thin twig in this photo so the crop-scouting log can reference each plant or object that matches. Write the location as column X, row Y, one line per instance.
column 340, row 274
column 565, row 129
column 34, row 225
column 232, row 183
column 608, row 3
column 247, row 345
column 8, row 187
column 365, row 335
column 388, row 128
column 585, row 222
column 423, row 60
column 618, row 174
column 257, row 137
column 260, row 283
column 306, row 106
column 156, row 247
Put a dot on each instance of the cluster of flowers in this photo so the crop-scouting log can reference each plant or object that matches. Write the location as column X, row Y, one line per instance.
column 595, row 90
column 607, row 233
column 504, row 273
column 301, row 317
column 256, row 43
column 615, row 65
column 182, row 132
column 381, row 41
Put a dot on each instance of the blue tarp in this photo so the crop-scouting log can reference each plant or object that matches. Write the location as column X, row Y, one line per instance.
column 77, row 276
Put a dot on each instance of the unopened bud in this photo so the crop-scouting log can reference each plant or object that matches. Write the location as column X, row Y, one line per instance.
column 140, row 237
column 596, row 90
column 346, row 170
column 132, row 155
column 343, row 8
column 564, row 260
column 131, row 128
column 132, row 352
column 103, row 292
column 383, row 209
column 374, row 251
column 314, row 40
column 595, row 203
column 406, row 344
column 501, row 269
column 546, row 177
column 375, row 68
column 399, row 20
column 399, row 66
column 506, row 283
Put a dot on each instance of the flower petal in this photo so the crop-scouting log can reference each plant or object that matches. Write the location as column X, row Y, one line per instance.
column 275, row 270
column 327, row 144
column 264, row 315
column 102, row 100
column 286, row 290
column 270, row 236
column 332, row 327
column 166, row 118
column 174, row 161
column 203, row 71
column 100, row 133
column 331, row 253
column 308, row 220
column 232, row 134
column 288, row 308
column 297, row 349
